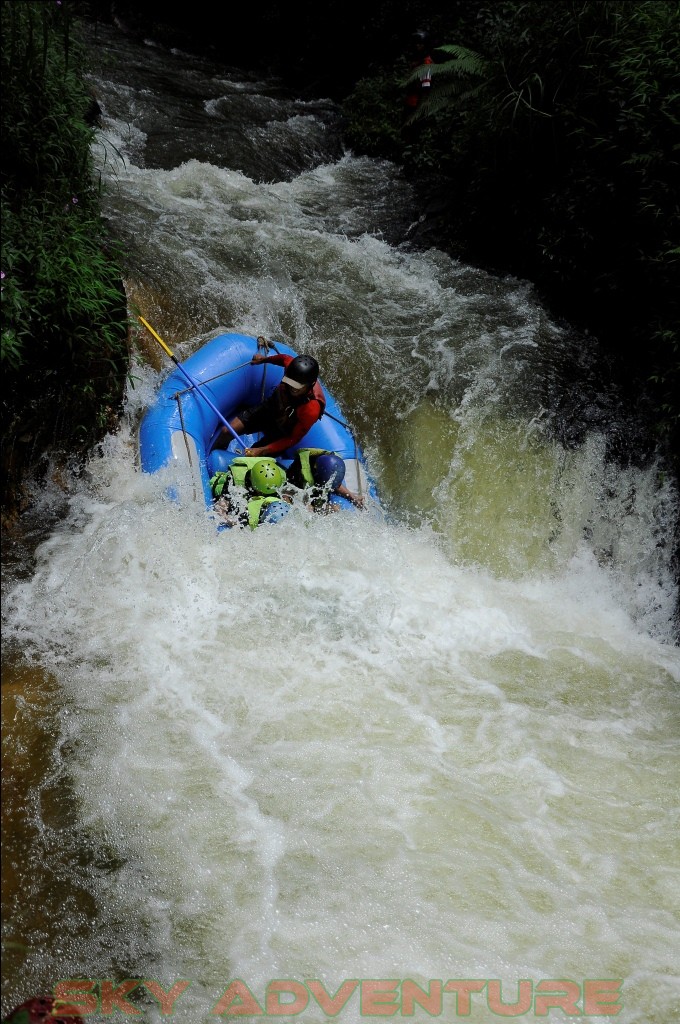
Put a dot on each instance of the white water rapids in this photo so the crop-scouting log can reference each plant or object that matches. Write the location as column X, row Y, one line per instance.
column 440, row 743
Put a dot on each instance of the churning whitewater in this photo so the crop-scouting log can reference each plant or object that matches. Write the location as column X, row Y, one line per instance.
column 423, row 748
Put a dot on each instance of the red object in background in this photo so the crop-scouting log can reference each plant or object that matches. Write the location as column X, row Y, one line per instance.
column 40, row 1010
column 426, row 75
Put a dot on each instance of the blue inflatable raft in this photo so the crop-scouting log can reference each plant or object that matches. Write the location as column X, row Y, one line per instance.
column 178, row 431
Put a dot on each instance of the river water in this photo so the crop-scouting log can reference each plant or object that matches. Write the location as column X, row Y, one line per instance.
column 432, row 744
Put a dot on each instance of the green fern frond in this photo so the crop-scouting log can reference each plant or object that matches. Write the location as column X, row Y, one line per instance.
column 465, row 62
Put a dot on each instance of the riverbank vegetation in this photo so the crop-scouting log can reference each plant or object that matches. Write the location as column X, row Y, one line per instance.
column 64, row 340
column 548, row 147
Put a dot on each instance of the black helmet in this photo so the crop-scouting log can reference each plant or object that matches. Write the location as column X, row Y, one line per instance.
column 302, row 372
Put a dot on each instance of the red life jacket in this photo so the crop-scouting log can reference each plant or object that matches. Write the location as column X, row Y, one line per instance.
column 288, row 408
column 318, row 393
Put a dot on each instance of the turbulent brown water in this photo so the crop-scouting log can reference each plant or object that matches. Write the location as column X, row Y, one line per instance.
column 437, row 744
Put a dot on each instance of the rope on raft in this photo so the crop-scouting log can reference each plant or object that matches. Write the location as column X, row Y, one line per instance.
column 216, row 377
column 178, row 398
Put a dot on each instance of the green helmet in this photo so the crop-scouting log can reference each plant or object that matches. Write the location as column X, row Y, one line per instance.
column 266, row 477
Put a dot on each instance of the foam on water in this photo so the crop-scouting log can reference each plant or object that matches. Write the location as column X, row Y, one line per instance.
column 326, row 750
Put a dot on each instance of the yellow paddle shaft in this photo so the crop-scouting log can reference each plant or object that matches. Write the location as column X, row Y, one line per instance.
column 156, row 336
